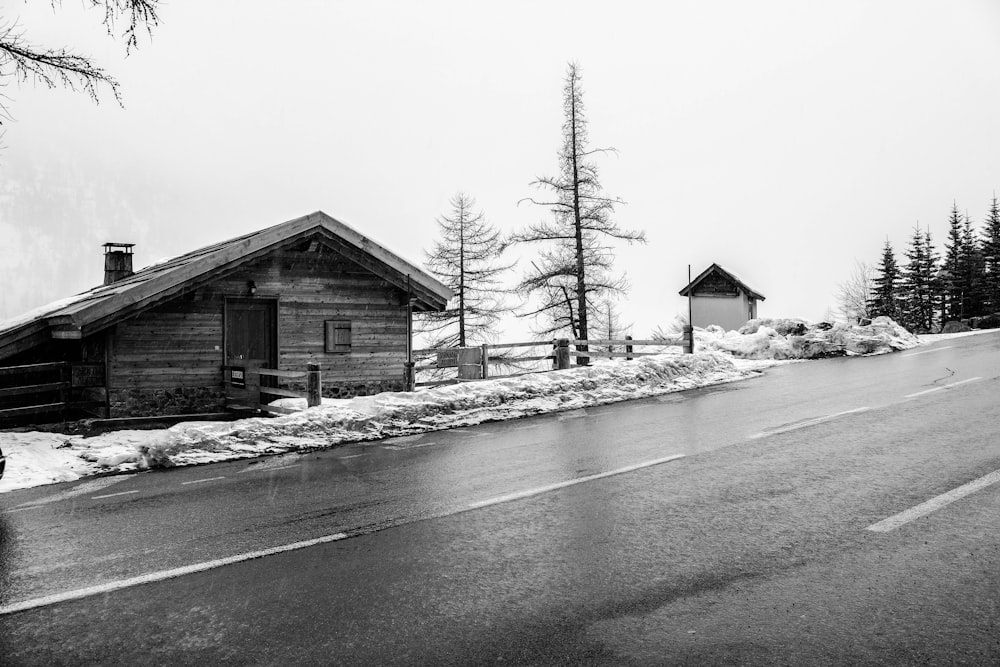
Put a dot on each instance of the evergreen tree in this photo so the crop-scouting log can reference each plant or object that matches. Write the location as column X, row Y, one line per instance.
column 465, row 259
column 576, row 269
column 991, row 258
column 952, row 268
column 920, row 283
column 972, row 270
column 886, row 297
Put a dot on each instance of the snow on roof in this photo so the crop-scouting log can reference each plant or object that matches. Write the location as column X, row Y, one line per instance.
column 103, row 302
column 715, row 268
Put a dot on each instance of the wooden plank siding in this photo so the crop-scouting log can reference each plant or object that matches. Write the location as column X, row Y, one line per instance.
column 179, row 345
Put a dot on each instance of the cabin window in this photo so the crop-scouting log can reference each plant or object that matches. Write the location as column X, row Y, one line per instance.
column 338, row 335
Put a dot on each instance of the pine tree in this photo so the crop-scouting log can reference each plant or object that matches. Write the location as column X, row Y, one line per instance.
column 465, row 259
column 576, row 269
column 952, row 269
column 886, row 298
column 920, row 283
column 991, row 258
column 972, row 269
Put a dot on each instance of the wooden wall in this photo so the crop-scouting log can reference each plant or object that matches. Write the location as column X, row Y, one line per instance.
column 172, row 354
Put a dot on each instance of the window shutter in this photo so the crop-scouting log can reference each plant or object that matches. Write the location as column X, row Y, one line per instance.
column 338, row 335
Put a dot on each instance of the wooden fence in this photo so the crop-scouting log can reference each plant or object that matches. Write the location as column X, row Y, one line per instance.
column 245, row 386
column 473, row 363
column 55, row 387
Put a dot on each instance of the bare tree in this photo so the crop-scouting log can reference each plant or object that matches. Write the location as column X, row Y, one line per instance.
column 577, row 267
column 855, row 293
column 25, row 61
column 465, row 259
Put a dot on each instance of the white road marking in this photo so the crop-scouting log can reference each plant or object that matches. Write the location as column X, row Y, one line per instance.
column 935, row 503
column 559, row 485
column 291, row 465
column 112, row 495
column 644, row 406
column 81, row 489
column 526, row 428
column 21, row 509
column 944, row 386
column 162, row 575
column 937, row 349
column 349, row 456
column 805, row 422
column 413, row 446
column 199, row 481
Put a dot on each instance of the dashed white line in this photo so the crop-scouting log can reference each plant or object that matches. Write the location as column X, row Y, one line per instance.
column 935, row 503
column 944, row 386
column 112, row 495
column 559, row 485
column 22, row 509
column 937, row 349
column 349, row 456
column 526, row 428
column 207, row 479
column 397, row 448
column 162, row 575
column 806, row 422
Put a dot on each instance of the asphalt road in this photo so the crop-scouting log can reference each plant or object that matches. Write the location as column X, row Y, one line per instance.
column 511, row 543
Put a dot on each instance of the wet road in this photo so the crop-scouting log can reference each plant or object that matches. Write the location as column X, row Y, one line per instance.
column 475, row 545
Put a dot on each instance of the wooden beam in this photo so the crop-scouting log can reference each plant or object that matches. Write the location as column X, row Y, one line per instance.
column 32, row 389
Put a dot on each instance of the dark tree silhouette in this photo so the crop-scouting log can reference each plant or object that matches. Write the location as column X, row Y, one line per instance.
column 465, row 258
column 576, row 267
column 23, row 61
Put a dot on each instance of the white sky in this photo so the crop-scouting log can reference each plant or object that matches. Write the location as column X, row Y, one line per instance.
column 782, row 140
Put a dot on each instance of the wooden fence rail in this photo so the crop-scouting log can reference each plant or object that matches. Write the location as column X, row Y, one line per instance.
column 560, row 355
column 246, row 394
column 30, row 390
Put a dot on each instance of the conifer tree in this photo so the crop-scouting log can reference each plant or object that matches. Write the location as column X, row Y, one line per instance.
column 991, row 258
column 465, row 259
column 953, row 268
column 886, row 297
column 972, row 269
column 920, row 282
column 575, row 269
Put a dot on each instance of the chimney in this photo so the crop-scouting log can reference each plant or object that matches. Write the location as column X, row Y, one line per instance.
column 117, row 261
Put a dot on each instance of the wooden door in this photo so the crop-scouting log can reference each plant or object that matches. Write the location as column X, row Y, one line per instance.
column 251, row 333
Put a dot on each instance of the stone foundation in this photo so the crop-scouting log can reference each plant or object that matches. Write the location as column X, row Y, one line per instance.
column 156, row 402
column 352, row 389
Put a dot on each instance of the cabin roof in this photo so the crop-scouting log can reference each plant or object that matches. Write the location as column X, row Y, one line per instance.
column 715, row 268
column 102, row 306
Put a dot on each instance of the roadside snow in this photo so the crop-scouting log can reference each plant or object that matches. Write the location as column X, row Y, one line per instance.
column 44, row 458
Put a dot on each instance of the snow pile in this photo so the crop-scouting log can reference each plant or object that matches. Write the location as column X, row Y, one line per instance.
column 62, row 458
column 798, row 339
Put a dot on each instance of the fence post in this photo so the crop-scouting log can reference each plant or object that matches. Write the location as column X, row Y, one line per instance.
column 562, row 354
column 315, row 386
column 486, row 361
column 688, row 339
column 628, row 350
column 409, row 376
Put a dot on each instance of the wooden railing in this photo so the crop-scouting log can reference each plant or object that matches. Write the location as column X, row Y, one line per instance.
column 54, row 387
column 473, row 363
column 249, row 395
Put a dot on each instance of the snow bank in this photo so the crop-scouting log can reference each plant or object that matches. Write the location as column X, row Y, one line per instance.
column 799, row 339
column 359, row 419
column 722, row 356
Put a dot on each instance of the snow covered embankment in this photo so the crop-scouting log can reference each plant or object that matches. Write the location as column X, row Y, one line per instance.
column 797, row 339
column 64, row 458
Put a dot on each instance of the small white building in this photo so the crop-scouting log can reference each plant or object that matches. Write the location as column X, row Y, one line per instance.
column 719, row 297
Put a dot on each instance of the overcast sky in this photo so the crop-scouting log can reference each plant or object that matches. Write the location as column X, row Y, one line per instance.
column 782, row 140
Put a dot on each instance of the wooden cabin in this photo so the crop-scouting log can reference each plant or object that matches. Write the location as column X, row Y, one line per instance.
column 164, row 340
column 718, row 297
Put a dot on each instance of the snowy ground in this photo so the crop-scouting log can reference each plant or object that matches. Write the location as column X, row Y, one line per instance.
column 36, row 458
